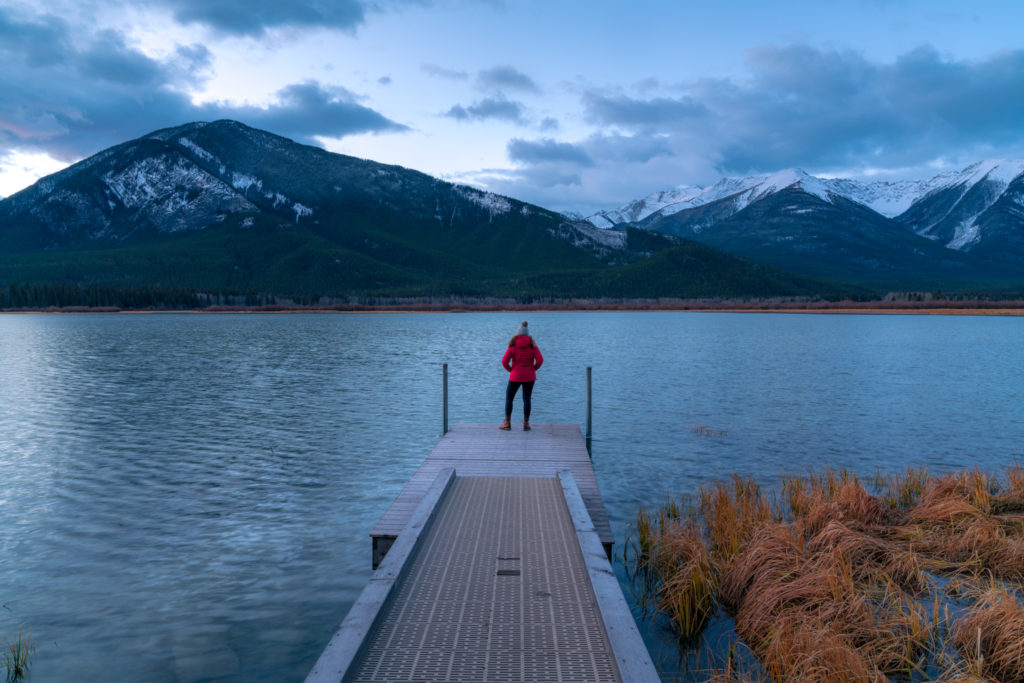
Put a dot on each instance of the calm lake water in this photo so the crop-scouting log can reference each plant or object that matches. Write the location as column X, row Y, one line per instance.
column 188, row 497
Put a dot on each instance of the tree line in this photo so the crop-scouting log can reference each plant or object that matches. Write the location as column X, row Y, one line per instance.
column 69, row 295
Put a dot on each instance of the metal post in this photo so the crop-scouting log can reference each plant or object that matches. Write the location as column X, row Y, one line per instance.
column 444, row 393
column 590, row 421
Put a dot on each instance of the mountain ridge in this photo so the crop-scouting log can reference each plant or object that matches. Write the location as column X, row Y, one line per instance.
column 892, row 199
column 974, row 216
column 222, row 206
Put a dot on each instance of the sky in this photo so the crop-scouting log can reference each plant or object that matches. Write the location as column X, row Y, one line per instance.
column 576, row 105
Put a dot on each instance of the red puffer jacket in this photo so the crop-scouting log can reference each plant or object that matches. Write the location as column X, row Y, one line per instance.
column 522, row 360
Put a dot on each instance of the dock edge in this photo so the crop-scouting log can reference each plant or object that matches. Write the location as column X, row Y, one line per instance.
column 348, row 642
column 631, row 654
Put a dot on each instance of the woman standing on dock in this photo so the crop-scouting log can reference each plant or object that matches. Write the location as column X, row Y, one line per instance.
column 521, row 359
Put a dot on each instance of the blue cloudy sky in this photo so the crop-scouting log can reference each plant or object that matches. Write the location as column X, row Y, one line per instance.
column 572, row 104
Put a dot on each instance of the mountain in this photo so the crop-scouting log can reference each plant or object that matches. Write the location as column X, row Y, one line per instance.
column 962, row 229
column 223, row 207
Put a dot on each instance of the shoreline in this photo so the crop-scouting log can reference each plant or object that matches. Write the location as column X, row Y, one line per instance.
column 1002, row 308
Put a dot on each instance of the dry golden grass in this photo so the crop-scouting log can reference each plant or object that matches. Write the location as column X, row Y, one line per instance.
column 991, row 637
column 732, row 512
column 871, row 556
column 687, row 591
column 843, row 588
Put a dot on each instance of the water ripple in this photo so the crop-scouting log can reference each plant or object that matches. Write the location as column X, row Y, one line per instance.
column 188, row 497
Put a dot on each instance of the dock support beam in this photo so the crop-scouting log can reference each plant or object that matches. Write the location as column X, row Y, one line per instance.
column 444, row 396
column 590, row 421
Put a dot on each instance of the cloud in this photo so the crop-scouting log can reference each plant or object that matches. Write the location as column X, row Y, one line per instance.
column 38, row 43
column 824, row 109
column 77, row 97
column 629, row 149
column 109, row 59
column 635, row 113
column 497, row 107
column 309, row 110
column 546, row 151
column 442, row 72
column 255, row 17
column 506, row 77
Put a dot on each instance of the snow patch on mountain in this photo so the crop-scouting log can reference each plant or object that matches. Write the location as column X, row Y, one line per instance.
column 494, row 203
column 889, row 198
column 172, row 195
column 197, row 150
column 301, row 210
column 968, row 233
column 1001, row 171
column 243, row 182
column 614, row 239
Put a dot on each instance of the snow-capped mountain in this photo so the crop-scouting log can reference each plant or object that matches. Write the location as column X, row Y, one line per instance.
column 188, row 178
column 739, row 191
column 955, row 208
column 964, row 223
column 946, row 208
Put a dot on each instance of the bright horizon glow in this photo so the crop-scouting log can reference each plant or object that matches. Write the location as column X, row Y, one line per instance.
column 18, row 170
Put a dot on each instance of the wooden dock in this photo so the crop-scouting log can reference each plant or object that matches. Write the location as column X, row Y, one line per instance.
column 483, row 450
column 493, row 568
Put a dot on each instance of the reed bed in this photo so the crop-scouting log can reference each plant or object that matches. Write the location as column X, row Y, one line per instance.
column 902, row 577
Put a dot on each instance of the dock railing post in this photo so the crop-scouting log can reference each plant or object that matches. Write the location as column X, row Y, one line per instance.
column 589, row 414
column 444, row 397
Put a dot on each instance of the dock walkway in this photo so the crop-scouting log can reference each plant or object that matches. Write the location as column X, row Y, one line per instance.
column 499, row 573
column 482, row 450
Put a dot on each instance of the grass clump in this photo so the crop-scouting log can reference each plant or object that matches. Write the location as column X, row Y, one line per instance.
column 991, row 636
column 17, row 657
column 829, row 580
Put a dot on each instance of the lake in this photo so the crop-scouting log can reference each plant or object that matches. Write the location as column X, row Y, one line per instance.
column 188, row 497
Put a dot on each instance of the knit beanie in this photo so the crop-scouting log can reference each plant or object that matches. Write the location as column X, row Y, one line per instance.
column 523, row 329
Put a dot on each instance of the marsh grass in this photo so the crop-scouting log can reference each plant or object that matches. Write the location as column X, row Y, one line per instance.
column 902, row 577
column 17, row 656
column 704, row 430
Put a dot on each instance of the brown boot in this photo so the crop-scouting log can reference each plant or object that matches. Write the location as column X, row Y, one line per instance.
column 526, row 426
column 506, row 425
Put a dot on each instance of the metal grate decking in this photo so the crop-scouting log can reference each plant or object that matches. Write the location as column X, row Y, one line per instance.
column 486, row 451
column 497, row 591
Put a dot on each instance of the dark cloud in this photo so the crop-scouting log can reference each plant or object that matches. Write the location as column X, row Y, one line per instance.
column 41, row 42
column 255, row 17
column 309, row 110
column 384, row 80
column 506, row 77
column 635, row 113
column 550, row 124
column 71, row 102
column 628, row 149
column 827, row 109
column 441, row 72
column 110, row 59
column 496, row 107
column 546, row 151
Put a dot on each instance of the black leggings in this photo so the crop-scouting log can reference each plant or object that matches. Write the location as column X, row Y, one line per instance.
column 510, row 393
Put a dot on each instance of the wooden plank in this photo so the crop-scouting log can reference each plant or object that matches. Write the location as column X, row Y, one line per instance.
column 483, row 450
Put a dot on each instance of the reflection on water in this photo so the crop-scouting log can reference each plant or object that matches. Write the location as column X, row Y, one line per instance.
column 188, row 497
